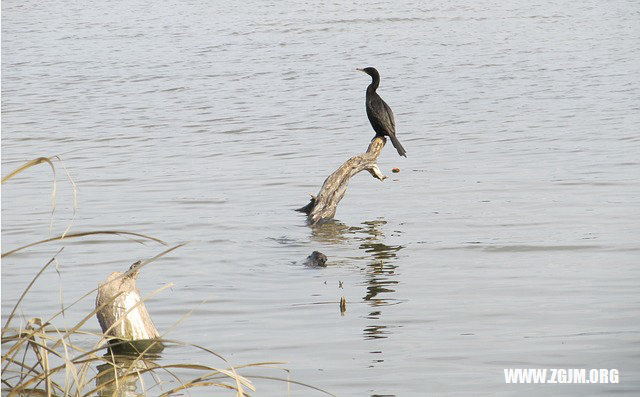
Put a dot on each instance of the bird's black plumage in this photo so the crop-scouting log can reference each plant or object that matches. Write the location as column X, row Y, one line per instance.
column 379, row 113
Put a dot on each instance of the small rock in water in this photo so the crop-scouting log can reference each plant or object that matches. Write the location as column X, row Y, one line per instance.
column 316, row 259
column 395, row 169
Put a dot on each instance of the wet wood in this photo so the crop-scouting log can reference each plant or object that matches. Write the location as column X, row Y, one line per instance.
column 124, row 319
column 323, row 207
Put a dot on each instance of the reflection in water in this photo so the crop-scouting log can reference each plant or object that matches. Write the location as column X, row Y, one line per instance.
column 380, row 285
column 377, row 286
column 380, row 271
column 119, row 376
column 380, row 275
column 369, row 235
column 332, row 232
column 376, row 332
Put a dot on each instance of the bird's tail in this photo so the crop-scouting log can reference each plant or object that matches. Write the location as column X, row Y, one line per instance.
column 397, row 145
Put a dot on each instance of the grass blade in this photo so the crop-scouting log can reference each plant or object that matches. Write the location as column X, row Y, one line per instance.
column 24, row 293
column 82, row 234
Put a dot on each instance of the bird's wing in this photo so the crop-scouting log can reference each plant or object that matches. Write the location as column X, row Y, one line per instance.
column 390, row 115
column 380, row 113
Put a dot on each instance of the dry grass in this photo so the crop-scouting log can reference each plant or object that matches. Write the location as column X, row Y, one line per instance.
column 41, row 359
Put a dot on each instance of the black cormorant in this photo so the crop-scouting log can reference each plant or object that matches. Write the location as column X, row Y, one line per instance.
column 379, row 113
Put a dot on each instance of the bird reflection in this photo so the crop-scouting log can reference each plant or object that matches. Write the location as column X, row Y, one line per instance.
column 381, row 251
column 380, row 274
column 380, row 278
column 380, row 270
column 376, row 332
column 379, row 286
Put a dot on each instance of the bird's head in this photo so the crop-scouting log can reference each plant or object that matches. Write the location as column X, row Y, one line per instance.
column 371, row 72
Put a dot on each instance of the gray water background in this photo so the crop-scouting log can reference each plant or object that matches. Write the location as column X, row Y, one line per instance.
column 510, row 237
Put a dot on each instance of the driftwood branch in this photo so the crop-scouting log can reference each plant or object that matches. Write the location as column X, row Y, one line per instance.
column 124, row 319
column 322, row 207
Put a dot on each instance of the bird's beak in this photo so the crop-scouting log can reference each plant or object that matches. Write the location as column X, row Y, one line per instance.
column 360, row 70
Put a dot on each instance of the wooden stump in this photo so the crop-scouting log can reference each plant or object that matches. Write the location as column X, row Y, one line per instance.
column 323, row 207
column 124, row 319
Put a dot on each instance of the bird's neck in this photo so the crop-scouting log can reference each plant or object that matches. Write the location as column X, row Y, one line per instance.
column 373, row 87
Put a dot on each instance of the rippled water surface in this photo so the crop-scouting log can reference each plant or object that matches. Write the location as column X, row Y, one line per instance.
column 510, row 237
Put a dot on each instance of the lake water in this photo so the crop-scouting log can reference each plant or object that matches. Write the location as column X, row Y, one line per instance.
column 510, row 238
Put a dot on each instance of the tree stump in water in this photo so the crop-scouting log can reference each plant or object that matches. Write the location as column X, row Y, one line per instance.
column 322, row 207
column 124, row 319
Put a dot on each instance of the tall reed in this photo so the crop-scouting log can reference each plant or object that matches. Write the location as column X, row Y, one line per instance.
column 42, row 359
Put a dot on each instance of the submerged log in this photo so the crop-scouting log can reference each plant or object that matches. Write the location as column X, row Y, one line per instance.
column 322, row 207
column 124, row 319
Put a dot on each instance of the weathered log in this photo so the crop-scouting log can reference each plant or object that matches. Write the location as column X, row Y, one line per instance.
column 322, row 207
column 124, row 319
